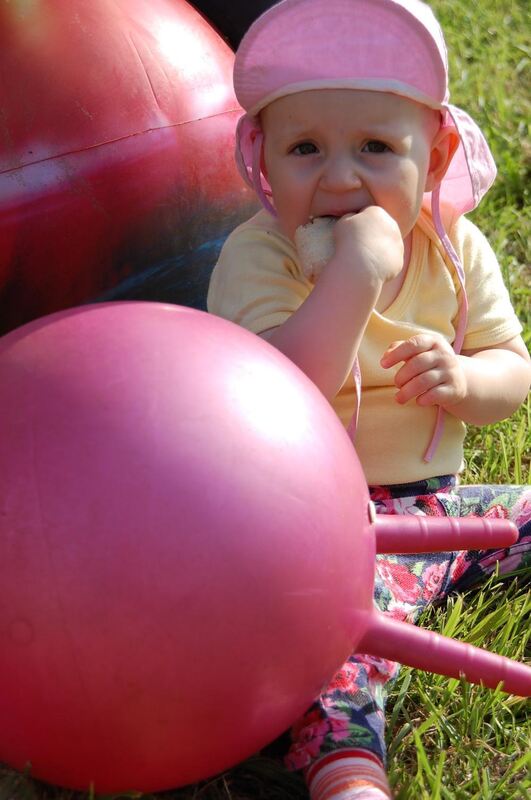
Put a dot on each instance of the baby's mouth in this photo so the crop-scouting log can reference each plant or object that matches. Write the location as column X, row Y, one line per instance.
column 335, row 214
column 313, row 218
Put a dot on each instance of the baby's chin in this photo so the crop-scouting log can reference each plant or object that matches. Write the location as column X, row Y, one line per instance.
column 314, row 242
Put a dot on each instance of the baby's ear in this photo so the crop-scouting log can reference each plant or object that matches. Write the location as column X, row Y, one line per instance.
column 443, row 147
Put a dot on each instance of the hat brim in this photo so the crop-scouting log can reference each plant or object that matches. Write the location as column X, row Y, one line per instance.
column 299, row 42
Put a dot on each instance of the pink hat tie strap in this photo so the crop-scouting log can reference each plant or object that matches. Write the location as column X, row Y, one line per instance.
column 463, row 310
column 454, row 258
column 258, row 143
column 248, row 155
column 353, row 424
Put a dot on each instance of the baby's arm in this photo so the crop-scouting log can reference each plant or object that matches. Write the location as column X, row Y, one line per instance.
column 323, row 336
column 479, row 386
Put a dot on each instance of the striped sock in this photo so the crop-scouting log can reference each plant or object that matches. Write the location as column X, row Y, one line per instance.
column 348, row 775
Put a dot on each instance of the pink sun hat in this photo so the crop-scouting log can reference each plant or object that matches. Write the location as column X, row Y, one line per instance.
column 394, row 46
column 299, row 45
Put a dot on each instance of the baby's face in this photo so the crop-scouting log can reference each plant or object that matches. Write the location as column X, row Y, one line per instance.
column 330, row 152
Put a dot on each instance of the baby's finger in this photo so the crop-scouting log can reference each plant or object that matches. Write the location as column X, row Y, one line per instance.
column 403, row 350
column 422, row 384
column 423, row 362
column 444, row 394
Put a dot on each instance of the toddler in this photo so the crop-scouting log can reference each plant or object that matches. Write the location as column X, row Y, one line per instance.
column 402, row 315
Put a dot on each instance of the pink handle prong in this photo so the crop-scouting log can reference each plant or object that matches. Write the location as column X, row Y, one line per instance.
column 400, row 641
column 420, row 534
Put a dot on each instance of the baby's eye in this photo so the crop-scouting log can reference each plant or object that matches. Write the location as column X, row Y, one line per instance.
column 375, row 146
column 305, row 149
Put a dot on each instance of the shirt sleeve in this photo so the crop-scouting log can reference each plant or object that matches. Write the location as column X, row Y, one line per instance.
column 491, row 317
column 257, row 282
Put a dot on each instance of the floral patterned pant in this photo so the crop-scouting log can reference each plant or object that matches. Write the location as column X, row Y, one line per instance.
column 350, row 713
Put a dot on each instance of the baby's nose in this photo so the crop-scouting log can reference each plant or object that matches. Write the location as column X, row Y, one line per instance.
column 340, row 174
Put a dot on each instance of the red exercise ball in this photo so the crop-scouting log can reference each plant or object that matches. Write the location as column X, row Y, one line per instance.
column 117, row 126
column 184, row 535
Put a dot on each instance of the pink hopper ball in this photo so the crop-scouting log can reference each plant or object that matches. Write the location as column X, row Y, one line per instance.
column 186, row 550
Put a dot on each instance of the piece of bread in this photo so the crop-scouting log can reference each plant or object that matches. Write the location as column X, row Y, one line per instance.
column 315, row 245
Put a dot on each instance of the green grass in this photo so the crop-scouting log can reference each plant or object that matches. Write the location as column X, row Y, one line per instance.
column 451, row 740
column 447, row 740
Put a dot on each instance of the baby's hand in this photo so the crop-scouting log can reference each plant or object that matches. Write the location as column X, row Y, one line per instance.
column 431, row 372
column 371, row 240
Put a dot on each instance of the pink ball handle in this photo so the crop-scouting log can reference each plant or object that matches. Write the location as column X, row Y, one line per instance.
column 418, row 534
column 400, row 641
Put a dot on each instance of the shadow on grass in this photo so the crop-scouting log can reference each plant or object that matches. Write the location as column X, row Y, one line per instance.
column 258, row 778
